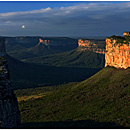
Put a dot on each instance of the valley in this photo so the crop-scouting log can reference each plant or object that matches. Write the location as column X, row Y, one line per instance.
column 101, row 101
column 26, row 75
column 74, row 58
column 69, row 89
column 50, row 69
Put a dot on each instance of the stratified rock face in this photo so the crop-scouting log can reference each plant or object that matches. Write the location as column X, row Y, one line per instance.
column 117, row 54
column 91, row 45
column 9, row 112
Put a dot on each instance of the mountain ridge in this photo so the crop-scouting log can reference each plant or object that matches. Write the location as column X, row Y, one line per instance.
column 73, row 58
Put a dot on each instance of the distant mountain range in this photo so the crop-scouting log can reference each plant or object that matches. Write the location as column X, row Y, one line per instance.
column 27, row 47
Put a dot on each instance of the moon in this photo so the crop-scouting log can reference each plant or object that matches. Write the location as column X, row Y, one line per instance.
column 23, row 26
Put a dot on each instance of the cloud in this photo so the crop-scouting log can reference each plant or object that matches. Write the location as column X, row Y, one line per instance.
column 80, row 19
column 23, row 26
column 25, row 12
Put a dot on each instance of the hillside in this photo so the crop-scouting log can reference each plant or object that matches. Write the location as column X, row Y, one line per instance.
column 30, row 52
column 102, row 101
column 28, row 47
column 73, row 58
column 26, row 75
column 21, row 42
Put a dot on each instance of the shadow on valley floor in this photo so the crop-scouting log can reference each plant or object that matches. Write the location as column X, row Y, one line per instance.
column 71, row 124
column 28, row 75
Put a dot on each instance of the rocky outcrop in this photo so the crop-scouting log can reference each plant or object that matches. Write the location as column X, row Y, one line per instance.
column 86, row 43
column 9, row 112
column 126, row 34
column 92, row 45
column 118, row 51
column 44, row 42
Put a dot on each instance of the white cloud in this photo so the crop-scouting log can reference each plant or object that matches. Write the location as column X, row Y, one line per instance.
column 25, row 12
column 72, row 9
column 7, row 21
column 23, row 26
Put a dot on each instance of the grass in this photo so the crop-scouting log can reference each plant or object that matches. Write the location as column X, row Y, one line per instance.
column 102, row 100
column 24, row 98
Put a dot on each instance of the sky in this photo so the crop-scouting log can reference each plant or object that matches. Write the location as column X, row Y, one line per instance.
column 64, row 18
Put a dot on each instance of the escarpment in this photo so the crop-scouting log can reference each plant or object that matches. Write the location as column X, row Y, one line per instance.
column 96, row 46
column 118, row 51
column 9, row 112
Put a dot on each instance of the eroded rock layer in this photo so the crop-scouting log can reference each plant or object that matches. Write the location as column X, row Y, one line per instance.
column 9, row 112
column 92, row 45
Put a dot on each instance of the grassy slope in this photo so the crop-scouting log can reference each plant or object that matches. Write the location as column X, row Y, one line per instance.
column 73, row 58
column 30, row 52
column 103, row 100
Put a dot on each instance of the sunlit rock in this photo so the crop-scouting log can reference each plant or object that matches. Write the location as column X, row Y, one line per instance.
column 118, row 51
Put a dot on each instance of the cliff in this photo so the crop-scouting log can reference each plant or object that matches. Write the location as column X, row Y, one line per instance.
column 96, row 46
column 118, row 51
column 43, row 42
column 9, row 112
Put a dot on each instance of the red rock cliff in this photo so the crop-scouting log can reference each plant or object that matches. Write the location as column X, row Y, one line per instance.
column 91, row 45
column 117, row 52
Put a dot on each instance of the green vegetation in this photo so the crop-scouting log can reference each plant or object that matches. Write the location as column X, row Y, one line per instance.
column 27, row 75
column 54, row 69
column 28, row 47
column 121, row 40
column 73, row 58
column 101, row 101
column 71, row 66
column 127, row 38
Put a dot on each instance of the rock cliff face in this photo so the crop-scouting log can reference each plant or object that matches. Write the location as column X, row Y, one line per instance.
column 92, row 45
column 44, row 42
column 9, row 112
column 118, row 51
